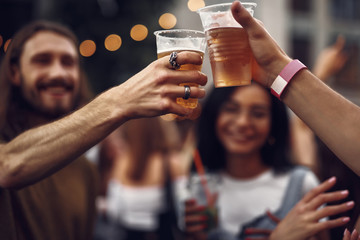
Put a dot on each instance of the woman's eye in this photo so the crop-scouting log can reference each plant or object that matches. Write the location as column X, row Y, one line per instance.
column 260, row 114
column 229, row 109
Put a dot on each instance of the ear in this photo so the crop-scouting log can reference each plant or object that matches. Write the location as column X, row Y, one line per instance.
column 15, row 70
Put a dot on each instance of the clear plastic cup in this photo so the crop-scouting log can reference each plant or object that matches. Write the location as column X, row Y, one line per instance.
column 228, row 46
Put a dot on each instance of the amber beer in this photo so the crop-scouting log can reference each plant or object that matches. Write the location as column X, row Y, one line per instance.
column 230, row 56
column 191, row 102
column 228, row 45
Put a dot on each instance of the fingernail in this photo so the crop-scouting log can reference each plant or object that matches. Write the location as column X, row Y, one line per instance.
column 332, row 179
column 350, row 203
column 345, row 219
column 344, row 192
column 345, row 231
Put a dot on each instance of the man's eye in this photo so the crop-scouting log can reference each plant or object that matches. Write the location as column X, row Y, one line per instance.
column 42, row 60
column 68, row 61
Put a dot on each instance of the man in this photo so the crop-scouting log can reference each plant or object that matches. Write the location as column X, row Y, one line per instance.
column 47, row 191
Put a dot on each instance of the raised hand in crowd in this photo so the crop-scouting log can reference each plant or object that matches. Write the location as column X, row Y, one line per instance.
column 331, row 60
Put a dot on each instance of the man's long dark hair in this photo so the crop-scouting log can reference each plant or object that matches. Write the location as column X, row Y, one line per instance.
column 275, row 153
column 11, row 116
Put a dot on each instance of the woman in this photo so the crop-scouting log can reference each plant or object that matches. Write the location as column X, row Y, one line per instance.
column 141, row 165
column 243, row 134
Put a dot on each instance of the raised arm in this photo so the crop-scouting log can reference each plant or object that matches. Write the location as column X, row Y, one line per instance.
column 333, row 118
column 39, row 152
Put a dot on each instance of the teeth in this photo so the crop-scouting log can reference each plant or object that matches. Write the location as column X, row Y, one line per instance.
column 56, row 90
column 240, row 138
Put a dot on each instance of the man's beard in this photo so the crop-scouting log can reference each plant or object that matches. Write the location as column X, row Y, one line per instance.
column 52, row 113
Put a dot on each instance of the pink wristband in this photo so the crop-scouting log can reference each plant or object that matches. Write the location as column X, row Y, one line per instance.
column 284, row 77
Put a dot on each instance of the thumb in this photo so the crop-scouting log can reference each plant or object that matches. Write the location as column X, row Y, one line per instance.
column 243, row 17
column 340, row 42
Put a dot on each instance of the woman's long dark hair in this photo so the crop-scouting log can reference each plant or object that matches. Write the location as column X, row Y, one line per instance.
column 275, row 154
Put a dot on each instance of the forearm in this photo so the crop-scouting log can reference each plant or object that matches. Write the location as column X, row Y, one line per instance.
column 41, row 151
column 328, row 114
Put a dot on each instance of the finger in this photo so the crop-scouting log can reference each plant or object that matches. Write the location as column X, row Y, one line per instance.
column 324, row 186
column 323, row 198
column 328, row 224
column 168, row 105
column 195, row 228
column 195, row 92
column 195, row 219
column 190, row 76
column 354, row 235
column 334, row 209
column 190, row 202
column 194, row 209
column 340, row 42
column 243, row 17
column 185, row 57
column 273, row 217
column 178, row 77
column 346, row 234
column 262, row 231
column 174, row 91
column 257, row 238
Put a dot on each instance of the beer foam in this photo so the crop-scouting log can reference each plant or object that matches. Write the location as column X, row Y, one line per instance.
column 178, row 49
column 218, row 19
column 220, row 16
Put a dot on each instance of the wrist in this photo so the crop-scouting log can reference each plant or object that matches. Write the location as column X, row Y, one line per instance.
column 276, row 68
column 285, row 76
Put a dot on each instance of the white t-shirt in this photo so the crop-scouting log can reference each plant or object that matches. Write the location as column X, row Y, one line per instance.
column 138, row 207
column 240, row 201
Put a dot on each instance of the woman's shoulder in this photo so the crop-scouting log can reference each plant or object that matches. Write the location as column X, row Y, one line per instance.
column 308, row 177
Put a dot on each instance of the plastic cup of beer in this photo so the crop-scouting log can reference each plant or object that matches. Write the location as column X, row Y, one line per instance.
column 204, row 189
column 228, row 46
column 178, row 40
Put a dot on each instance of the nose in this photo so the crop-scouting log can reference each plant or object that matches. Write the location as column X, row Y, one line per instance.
column 243, row 119
column 57, row 70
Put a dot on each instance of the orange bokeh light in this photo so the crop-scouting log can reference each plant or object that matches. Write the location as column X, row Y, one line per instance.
column 194, row 5
column 87, row 48
column 113, row 42
column 139, row 32
column 167, row 21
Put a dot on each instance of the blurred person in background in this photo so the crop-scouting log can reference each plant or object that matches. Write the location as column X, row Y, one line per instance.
column 145, row 166
column 47, row 190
